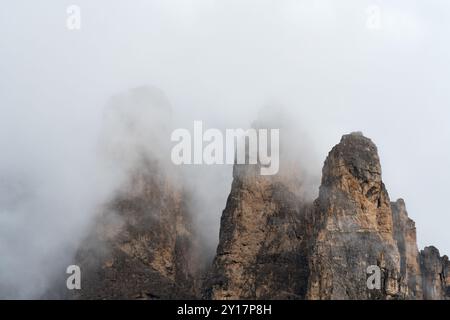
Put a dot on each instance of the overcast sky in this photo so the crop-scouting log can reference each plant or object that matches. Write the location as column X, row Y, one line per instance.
column 329, row 62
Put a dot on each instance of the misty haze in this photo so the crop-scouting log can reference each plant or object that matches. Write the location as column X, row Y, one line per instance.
column 89, row 99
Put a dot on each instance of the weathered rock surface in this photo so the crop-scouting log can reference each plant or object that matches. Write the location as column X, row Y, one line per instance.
column 265, row 228
column 143, row 246
column 405, row 235
column 276, row 244
column 356, row 229
column 263, row 239
column 275, row 241
column 435, row 272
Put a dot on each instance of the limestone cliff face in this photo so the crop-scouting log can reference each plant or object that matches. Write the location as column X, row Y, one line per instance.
column 405, row 235
column 436, row 274
column 357, row 228
column 262, row 252
column 142, row 246
column 276, row 244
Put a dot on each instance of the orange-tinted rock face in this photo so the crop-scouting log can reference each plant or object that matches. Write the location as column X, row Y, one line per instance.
column 357, row 228
column 274, row 244
column 262, row 251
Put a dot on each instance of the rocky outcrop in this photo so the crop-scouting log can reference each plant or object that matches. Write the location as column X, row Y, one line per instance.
column 263, row 240
column 405, row 235
column 436, row 274
column 356, row 228
column 275, row 241
column 143, row 245
column 276, row 244
column 265, row 227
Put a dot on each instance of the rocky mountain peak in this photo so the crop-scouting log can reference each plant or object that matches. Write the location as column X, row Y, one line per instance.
column 274, row 242
column 357, row 229
column 322, row 249
column 357, row 156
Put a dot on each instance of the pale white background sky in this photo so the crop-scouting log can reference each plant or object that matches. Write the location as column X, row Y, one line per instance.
column 217, row 61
